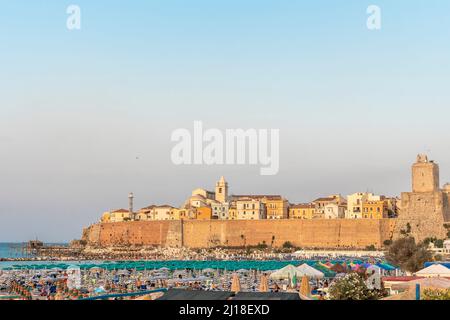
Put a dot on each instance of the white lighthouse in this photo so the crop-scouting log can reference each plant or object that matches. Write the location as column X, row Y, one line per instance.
column 130, row 206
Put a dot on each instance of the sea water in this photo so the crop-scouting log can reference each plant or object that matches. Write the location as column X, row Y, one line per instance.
column 12, row 250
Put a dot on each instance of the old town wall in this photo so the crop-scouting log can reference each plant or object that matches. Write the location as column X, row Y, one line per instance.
column 340, row 233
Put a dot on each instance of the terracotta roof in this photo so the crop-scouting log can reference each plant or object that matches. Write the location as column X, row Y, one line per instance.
column 120, row 210
column 164, row 206
column 249, row 199
column 257, row 196
column 149, row 207
column 302, row 206
column 325, row 199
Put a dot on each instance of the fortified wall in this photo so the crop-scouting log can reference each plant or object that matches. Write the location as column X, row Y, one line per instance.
column 339, row 233
column 425, row 212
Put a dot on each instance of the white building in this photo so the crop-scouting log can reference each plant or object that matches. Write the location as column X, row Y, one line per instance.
column 198, row 201
column 334, row 211
column 355, row 203
column 220, row 210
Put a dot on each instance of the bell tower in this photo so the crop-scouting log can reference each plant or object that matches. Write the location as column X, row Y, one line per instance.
column 222, row 190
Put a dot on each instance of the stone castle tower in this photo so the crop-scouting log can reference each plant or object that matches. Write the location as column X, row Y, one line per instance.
column 222, row 190
column 425, row 210
column 425, row 175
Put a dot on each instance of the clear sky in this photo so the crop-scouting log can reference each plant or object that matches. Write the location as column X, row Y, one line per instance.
column 86, row 116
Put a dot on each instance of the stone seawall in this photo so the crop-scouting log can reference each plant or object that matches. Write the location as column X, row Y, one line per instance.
column 339, row 233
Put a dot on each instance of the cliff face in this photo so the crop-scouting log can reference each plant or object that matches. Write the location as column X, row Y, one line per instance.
column 340, row 233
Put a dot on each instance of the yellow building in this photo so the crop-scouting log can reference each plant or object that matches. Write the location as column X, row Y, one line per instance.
column 375, row 209
column 302, row 211
column 275, row 206
column 356, row 201
column 176, row 213
column 204, row 213
column 119, row 215
column 232, row 212
column 183, row 213
column 106, row 217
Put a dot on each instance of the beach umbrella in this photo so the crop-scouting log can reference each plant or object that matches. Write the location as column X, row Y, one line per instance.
column 99, row 290
column 242, row 270
column 96, row 269
column 209, row 270
column 338, row 268
column 305, row 289
column 123, row 272
column 235, row 284
column 263, row 285
column 294, row 281
column 57, row 269
column 307, row 270
column 285, row 273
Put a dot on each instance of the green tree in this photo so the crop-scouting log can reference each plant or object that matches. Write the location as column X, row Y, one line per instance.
column 262, row 246
column 439, row 243
column 288, row 245
column 408, row 255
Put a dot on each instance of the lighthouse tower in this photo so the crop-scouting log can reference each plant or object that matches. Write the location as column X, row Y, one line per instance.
column 130, row 206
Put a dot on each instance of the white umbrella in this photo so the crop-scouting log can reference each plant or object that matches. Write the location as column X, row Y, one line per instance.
column 56, row 269
column 435, row 270
column 285, row 273
column 242, row 270
column 123, row 272
column 310, row 272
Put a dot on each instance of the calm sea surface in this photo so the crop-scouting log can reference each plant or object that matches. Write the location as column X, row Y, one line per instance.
column 14, row 250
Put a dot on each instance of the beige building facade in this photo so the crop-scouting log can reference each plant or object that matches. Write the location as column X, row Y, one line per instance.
column 250, row 209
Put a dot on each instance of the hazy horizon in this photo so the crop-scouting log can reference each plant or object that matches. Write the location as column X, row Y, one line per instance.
column 86, row 116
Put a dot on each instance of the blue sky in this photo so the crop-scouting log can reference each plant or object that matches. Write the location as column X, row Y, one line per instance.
column 353, row 106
